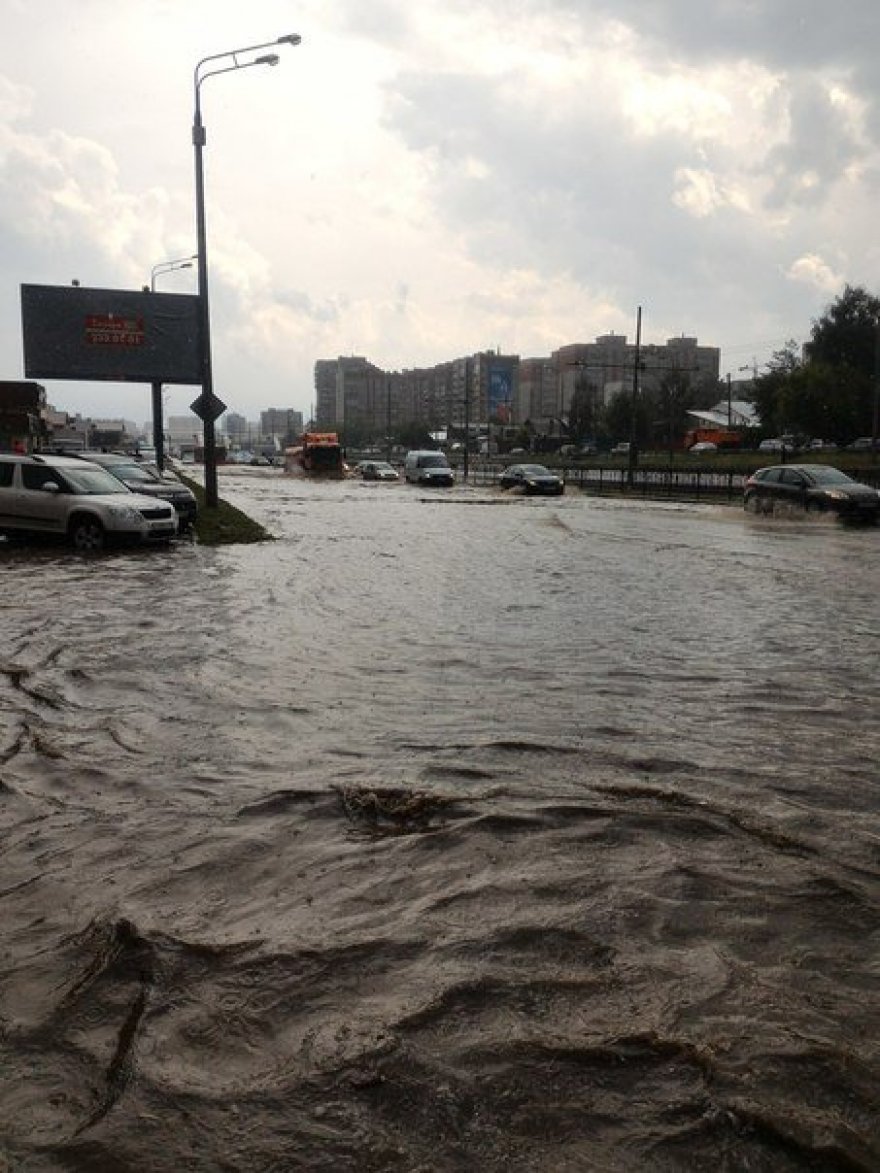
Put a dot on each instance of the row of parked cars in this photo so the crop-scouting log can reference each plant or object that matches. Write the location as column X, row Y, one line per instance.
column 92, row 498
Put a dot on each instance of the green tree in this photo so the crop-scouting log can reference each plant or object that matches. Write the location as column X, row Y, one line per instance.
column 827, row 401
column 414, row 435
column 617, row 418
column 670, row 404
column 846, row 334
column 831, row 394
column 769, row 391
column 583, row 412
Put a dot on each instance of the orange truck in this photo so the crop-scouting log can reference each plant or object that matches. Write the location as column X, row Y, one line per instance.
column 317, row 454
column 720, row 437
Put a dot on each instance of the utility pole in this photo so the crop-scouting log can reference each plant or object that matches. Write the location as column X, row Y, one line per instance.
column 467, row 424
column 388, row 418
column 633, row 426
column 875, row 422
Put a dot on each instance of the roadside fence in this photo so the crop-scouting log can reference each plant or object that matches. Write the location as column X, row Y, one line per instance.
column 644, row 481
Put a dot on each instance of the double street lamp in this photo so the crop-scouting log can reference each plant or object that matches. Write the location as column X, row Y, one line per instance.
column 208, row 406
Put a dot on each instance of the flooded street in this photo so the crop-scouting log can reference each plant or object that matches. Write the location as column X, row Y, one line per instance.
column 448, row 831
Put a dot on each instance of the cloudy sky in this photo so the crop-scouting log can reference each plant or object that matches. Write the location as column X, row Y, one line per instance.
column 419, row 181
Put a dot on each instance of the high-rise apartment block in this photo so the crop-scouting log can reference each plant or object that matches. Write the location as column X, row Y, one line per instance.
column 491, row 387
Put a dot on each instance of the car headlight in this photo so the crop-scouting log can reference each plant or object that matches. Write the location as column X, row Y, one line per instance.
column 124, row 512
column 837, row 495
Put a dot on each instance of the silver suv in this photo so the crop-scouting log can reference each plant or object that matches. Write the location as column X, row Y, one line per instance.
column 140, row 478
column 64, row 495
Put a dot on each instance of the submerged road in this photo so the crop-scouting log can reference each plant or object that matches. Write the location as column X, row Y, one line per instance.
column 448, row 831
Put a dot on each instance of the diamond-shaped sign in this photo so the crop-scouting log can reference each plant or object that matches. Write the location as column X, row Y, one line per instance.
column 208, row 406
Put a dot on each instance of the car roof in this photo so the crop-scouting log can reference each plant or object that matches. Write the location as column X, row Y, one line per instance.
column 107, row 457
column 48, row 458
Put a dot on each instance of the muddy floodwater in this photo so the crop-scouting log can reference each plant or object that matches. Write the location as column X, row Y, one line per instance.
column 448, row 831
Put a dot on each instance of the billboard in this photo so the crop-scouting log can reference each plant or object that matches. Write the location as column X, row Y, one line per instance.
column 500, row 394
column 110, row 334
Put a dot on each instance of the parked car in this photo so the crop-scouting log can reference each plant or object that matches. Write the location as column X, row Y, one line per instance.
column 141, row 477
column 702, row 446
column 778, row 444
column 428, row 467
column 73, row 497
column 862, row 444
column 621, row 449
column 377, row 470
column 532, row 478
column 811, row 487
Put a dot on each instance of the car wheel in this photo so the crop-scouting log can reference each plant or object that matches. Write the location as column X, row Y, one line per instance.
column 87, row 535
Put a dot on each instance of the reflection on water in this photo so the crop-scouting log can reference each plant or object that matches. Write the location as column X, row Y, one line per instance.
column 448, row 831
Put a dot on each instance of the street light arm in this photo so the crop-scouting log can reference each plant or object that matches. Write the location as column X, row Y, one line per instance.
column 287, row 39
column 228, row 69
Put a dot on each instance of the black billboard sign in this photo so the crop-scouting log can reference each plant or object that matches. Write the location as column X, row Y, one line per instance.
column 110, row 334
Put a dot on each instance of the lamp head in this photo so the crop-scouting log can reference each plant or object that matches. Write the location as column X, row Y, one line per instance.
column 268, row 59
column 290, row 39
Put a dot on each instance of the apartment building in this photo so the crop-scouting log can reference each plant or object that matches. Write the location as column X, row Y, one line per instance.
column 491, row 387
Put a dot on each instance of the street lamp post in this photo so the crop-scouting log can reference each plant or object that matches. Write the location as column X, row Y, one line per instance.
column 634, row 406
column 158, row 423
column 208, row 406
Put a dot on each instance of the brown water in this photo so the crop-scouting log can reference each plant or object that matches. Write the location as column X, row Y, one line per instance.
column 446, row 832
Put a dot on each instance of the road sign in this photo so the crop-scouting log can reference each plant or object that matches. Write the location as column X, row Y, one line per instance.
column 208, row 407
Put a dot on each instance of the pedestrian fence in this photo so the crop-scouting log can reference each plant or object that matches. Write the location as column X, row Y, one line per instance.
column 676, row 484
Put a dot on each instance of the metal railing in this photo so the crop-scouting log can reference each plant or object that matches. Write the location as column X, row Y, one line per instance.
column 654, row 482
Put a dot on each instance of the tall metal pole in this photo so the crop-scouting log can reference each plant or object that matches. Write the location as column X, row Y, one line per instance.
column 875, row 419
column 633, row 423
column 208, row 434
column 388, row 418
column 467, row 424
column 210, row 406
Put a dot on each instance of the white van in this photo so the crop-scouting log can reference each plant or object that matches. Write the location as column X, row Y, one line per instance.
column 427, row 467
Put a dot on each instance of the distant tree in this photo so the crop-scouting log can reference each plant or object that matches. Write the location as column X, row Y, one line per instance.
column 616, row 421
column 830, row 395
column 583, row 412
column 414, row 435
column 770, row 393
column 846, row 334
column 825, row 401
column 671, row 402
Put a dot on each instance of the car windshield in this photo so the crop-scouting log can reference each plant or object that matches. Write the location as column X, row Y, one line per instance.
column 438, row 461
column 132, row 472
column 91, row 481
column 828, row 476
column 535, row 470
column 381, row 466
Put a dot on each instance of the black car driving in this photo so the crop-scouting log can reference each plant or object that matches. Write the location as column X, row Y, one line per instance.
column 813, row 487
column 532, row 478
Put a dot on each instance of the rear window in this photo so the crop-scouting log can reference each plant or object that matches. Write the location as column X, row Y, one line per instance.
column 7, row 468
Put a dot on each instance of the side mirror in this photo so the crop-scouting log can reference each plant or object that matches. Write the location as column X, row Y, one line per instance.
column 49, row 487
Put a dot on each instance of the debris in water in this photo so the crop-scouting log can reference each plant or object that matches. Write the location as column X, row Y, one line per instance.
column 392, row 810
